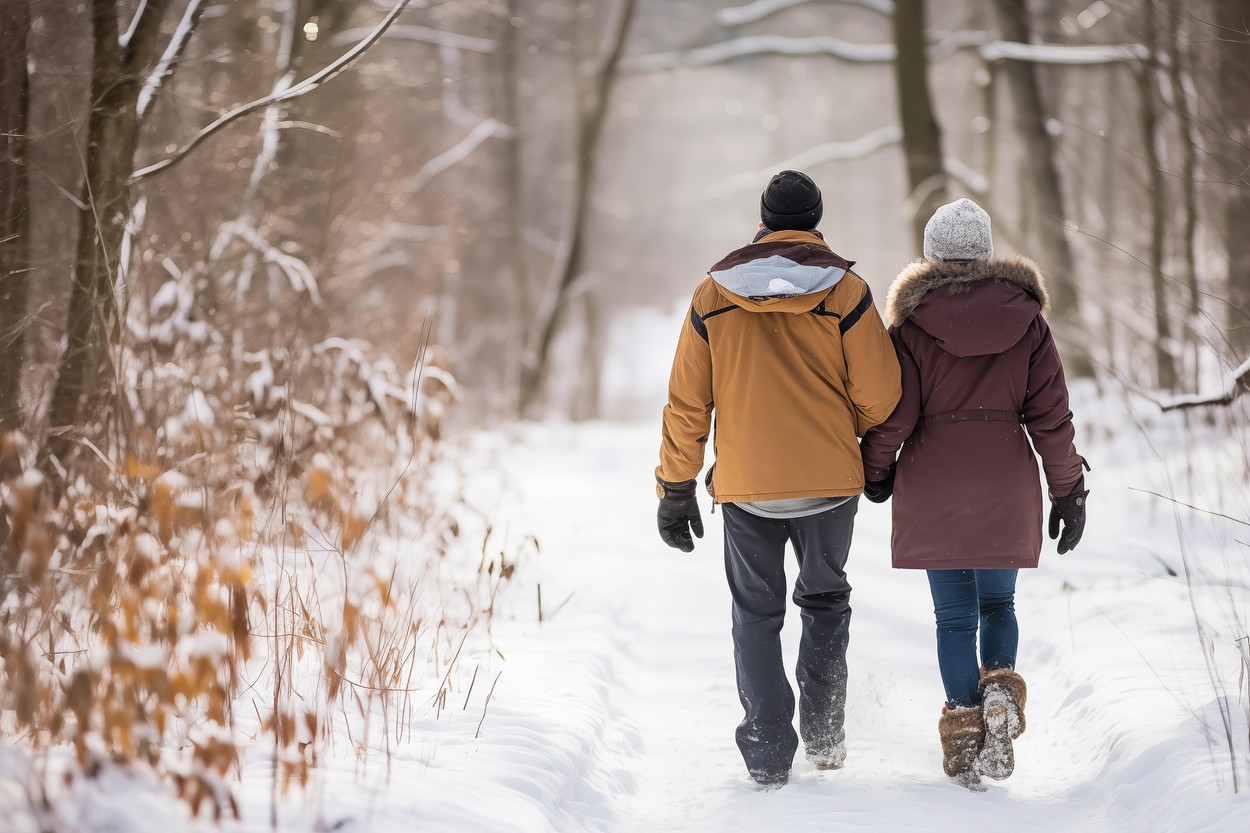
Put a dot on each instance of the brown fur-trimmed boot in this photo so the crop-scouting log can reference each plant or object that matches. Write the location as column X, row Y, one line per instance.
column 1003, row 694
column 962, row 731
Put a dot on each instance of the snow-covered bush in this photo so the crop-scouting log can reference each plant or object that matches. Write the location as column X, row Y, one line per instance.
column 254, row 506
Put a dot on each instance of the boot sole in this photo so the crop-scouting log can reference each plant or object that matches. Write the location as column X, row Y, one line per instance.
column 997, row 758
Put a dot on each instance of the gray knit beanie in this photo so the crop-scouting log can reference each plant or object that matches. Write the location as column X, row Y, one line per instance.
column 959, row 230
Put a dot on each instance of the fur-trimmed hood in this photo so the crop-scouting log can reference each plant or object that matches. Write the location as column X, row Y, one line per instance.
column 985, row 306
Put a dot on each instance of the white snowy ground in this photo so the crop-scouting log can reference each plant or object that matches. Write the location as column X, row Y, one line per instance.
column 617, row 712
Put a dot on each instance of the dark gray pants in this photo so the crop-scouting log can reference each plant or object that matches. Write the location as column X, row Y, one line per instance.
column 755, row 565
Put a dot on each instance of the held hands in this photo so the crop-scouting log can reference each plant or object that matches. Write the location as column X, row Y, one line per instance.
column 678, row 515
column 1070, row 511
column 879, row 491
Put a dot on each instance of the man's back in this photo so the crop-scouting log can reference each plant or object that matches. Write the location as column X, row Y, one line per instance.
column 785, row 343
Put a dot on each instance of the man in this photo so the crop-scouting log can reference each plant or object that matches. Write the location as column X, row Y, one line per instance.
column 784, row 343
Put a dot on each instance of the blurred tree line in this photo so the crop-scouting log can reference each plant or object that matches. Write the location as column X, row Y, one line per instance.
column 446, row 174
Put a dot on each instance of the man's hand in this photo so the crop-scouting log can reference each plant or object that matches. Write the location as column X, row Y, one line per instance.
column 1070, row 511
column 678, row 515
column 879, row 491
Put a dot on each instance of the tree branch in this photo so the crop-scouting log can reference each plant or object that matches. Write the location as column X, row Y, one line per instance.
column 760, row 9
column 880, row 53
column 1239, row 385
column 457, row 153
column 139, row 42
column 455, row 40
column 865, row 145
column 302, row 88
column 169, row 60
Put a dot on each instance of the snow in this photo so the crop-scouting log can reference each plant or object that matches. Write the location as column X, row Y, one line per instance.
column 616, row 712
column 1071, row 54
column 760, row 9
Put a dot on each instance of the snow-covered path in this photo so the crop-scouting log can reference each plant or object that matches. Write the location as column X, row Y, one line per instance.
column 1119, row 694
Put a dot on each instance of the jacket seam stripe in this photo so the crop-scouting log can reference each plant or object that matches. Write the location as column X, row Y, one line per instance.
column 697, row 323
column 853, row 317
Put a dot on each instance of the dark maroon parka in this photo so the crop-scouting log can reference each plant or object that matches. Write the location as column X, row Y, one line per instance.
column 981, row 378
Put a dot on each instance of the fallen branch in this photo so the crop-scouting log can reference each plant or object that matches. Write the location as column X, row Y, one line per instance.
column 302, row 88
column 1239, row 385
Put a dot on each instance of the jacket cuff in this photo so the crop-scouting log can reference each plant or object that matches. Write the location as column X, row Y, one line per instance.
column 663, row 488
column 875, row 475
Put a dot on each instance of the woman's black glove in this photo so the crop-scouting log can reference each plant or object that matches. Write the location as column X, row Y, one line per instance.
column 879, row 491
column 1071, row 511
column 678, row 514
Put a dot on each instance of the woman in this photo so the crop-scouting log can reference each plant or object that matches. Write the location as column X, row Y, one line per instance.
column 980, row 372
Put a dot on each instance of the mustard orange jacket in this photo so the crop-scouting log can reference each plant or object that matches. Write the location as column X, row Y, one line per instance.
column 784, row 343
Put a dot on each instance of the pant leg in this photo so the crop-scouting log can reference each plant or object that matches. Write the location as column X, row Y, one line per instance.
column 957, row 612
column 822, row 593
column 755, row 567
column 1000, row 635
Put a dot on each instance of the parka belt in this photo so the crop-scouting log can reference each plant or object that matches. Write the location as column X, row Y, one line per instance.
column 974, row 415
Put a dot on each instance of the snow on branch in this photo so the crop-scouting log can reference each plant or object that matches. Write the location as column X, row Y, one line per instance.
column 989, row 50
column 296, row 271
column 1056, row 53
column 424, row 34
column 963, row 173
column 458, row 152
column 865, row 145
column 302, row 88
column 760, row 9
column 173, row 51
column 729, row 50
column 1239, row 385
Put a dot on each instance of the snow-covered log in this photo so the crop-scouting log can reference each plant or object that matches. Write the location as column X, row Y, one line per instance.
column 1239, row 385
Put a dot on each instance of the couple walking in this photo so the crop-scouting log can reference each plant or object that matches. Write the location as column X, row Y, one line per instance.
column 784, row 344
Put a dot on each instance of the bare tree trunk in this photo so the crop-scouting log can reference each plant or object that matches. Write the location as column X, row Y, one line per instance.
column 14, row 206
column 1179, row 82
column 118, row 72
column 1147, row 73
column 514, row 201
column 590, row 125
column 586, row 402
column 922, row 138
column 1233, row 79
column 1189, row 155
column 1041, row 189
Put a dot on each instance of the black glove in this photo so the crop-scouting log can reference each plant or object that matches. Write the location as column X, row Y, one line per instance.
column 879, row 491
column 678, row 514
column 1071, row 511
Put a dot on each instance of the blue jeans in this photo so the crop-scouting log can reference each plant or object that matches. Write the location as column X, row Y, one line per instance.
column 962, row 600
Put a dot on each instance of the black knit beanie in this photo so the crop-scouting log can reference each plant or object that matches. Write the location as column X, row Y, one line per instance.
column 791, row 201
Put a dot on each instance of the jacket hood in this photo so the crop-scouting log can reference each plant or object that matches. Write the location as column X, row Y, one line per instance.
column 786, row 271
column 984, row 306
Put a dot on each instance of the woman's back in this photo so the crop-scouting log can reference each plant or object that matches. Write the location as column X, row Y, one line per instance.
column 980, row 369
